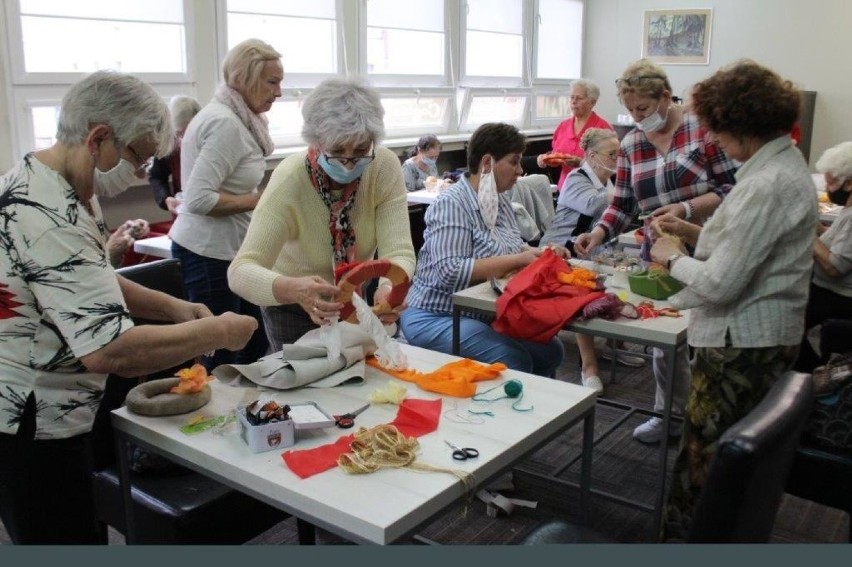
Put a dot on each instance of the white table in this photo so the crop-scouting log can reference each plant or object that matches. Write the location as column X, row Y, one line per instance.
column 666, row 333
column 421, row 197
column 385, row 506
column 160, row 246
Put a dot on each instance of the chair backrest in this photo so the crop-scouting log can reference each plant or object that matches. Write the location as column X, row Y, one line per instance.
column 162, row 275
column 748, row 475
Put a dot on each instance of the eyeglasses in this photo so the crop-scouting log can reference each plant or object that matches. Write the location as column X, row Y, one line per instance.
column 633, row 81
column 144, row 164
column 354, row 160
column 610, row 155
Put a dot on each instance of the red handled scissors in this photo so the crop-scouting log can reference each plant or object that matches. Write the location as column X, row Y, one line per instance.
column 347, row 420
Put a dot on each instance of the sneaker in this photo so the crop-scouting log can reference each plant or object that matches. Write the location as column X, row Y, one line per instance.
column 652, row 430
column 626, row 359
column 593, row 382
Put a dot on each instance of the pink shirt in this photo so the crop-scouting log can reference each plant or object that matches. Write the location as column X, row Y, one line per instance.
column 565, row 141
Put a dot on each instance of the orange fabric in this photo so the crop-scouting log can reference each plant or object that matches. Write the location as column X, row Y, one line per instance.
column 535, row 305
column 452, row 379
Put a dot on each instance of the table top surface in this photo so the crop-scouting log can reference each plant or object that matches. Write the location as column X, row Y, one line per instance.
column 421, row 197
column 659, row 331
column 383, row 506
column 155, row 246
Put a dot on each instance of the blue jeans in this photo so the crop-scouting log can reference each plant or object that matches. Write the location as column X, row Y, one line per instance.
column 480, row 342
column 206, row 281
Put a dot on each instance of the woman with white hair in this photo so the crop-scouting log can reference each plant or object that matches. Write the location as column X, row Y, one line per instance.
column 583, row 96
column 831, row 287
column 65, row 316
column 341, row 201
column 222, row 164
column 164, row 175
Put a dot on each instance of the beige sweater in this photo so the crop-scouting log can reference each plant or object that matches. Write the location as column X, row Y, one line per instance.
column 289, row 232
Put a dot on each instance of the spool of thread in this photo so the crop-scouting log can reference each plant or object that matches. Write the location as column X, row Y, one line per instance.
column 513, row 388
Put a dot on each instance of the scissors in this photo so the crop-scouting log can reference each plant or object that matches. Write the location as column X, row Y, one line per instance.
column 462, row 454
column 347, row 420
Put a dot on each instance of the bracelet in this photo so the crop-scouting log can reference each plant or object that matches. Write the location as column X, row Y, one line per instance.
column 687, row 207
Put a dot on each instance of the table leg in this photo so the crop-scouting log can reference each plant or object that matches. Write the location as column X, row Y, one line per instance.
column 456, row 330
column 307, row 532
column 671, row 360
column 122, row 446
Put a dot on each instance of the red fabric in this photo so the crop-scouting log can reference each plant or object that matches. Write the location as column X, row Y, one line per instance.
column 414, row 418
column 536, row 305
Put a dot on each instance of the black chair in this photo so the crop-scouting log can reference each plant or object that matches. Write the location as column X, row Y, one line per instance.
column 824, row 474
column 173, row 505
column 746, row 481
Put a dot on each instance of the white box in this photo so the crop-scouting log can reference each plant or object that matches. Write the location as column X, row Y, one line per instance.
column 267, row 436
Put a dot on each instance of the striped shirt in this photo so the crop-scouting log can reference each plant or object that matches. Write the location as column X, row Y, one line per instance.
column 752, row 266
column 647, row 180
column 454, row 238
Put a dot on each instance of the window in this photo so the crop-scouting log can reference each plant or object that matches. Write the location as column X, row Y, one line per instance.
column 482, row 105
column 417, row 113
column 494, row 41
column 550, row 108
column 405, row 37
column 559, row 39
column 305, row 33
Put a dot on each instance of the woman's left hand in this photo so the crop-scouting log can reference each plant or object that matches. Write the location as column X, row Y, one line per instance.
column 664, row 248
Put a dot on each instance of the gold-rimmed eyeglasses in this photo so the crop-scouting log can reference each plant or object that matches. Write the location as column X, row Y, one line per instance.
column 141, row 164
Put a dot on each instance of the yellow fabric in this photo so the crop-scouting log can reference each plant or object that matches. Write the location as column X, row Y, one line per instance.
column 289, row 232
column 453, row 379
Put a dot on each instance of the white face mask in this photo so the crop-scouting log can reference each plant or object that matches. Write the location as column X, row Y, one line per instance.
column 116, row 180
column 488, row 200
column 653, row 122
column 603, row 166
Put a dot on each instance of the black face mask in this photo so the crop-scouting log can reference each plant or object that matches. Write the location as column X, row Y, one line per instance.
column 839, row 196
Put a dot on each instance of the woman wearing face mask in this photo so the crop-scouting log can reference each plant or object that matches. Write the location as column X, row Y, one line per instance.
column 222, row 164
column 667, row 164
column 471, row 236
column 341, row 201
column 423, row 163
column 831, row 287
column 66, row 316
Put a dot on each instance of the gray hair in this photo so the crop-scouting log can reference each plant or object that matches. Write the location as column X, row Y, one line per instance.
column 837, row 161
column 594, row 136
column 591, row 88
column 343, row 110
column 130, row 106
column 243, row 64
column 183, row 109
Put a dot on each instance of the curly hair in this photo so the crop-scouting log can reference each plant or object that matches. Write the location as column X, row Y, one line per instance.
column 837, row 160
column 747, row 100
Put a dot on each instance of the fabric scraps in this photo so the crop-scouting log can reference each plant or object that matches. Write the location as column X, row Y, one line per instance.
column 452, row 379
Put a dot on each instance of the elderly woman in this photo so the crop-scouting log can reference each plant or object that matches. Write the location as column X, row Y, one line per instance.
column 747, row 283
column 471, row 236
column 584, row 95
column 164, row 175
column 66, row 318
column 831, row 287
column 422, row 163
column 341, row 201
column 583, row 198
column 667, row 163
column 222, row 164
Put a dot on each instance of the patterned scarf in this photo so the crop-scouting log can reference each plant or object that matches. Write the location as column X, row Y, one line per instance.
column 339, row 224
column 257, row 124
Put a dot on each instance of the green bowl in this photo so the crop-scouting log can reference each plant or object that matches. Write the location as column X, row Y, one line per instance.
column 653, row 285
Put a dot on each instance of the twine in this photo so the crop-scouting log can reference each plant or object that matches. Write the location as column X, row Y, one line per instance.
column 383, row 447
column 512, row 389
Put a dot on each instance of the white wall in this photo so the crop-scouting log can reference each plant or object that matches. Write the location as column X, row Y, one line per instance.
column 808, row 43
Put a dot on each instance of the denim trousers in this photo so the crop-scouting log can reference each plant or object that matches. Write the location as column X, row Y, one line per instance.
column 434, row 331
column 206, row 281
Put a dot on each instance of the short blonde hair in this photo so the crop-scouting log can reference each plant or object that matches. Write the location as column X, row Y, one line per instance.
column 243, row 65
column 594, row 136
column 837, row 161
column 643, row 78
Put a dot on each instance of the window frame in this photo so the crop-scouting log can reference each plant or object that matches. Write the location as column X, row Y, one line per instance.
column 471, row 93
column 550, row 82
column 450, row 116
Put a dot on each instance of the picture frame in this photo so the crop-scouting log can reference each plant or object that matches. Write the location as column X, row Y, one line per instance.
column 677, row 37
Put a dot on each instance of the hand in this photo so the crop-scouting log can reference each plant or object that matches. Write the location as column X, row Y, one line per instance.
column 587, row 242
column 540, row 160
column 117, row 244
column 186, row 311
column 387, row 314
column 675, row 209
column 172, row 205
column 560, row 251
column 527, row 257
column 670, row 224
column 314, row 294
column 138, row 228
column 238, row 329
column 663, row 249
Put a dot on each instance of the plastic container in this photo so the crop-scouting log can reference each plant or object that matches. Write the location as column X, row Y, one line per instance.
column 654, row 285
column 267, row 436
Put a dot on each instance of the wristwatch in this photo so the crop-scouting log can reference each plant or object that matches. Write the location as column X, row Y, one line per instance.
column 672, row 260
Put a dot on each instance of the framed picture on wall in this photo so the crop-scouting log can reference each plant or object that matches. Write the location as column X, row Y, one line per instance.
column 677, row 37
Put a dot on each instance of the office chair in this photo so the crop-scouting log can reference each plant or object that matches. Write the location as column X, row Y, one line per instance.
column 746, row 480
column 172, row 505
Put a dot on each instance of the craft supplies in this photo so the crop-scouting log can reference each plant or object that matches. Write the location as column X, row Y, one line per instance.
column 511, row 389
column 654, row 283
column 392, row 393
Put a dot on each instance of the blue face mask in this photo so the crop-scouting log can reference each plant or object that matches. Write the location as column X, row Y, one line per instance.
column 430, row 162
column 340, row 173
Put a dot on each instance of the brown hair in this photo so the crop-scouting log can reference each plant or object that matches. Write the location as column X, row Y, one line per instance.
column 746, row 100
column 643, row 78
